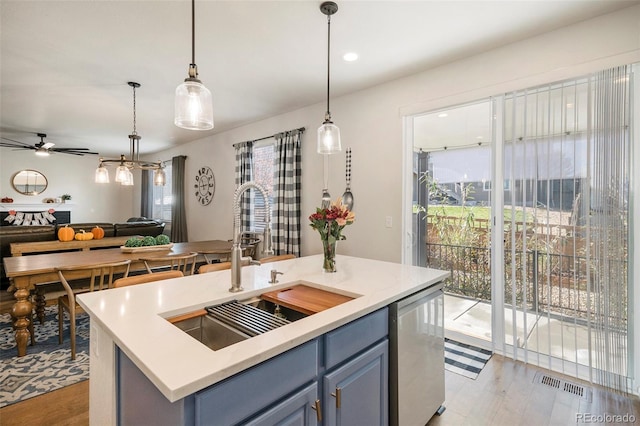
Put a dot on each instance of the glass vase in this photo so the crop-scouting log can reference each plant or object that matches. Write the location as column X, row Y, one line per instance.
column 329, row 251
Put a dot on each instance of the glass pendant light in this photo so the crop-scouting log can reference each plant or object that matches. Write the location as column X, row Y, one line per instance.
column 193, row 103
column 328, row 133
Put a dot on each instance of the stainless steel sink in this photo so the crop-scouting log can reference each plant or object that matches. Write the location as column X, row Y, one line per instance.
column 211, row 332
column 272, row 308
column 234, row 321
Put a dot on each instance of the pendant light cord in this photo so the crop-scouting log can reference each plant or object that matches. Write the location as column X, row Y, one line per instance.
column 193, row 32
column 328, row 114
column 134, row 111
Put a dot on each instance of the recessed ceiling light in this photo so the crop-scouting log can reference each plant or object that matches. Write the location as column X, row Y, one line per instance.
column 442, row 115
column 479, row 137
column 569, row 105
column 350, row 56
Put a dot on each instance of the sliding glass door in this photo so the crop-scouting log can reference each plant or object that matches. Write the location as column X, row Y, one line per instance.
column 539, row 262
column 451, row 212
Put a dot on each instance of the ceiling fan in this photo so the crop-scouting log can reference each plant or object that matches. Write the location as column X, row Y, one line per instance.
column 43, row 148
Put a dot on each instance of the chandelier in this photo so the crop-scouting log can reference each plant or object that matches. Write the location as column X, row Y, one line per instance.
column 124, row 176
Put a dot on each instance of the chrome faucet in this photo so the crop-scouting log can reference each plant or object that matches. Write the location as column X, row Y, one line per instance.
column 236, row 250
column 274, row 276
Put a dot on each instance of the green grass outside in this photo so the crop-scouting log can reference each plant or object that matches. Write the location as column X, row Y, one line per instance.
column 478, row 211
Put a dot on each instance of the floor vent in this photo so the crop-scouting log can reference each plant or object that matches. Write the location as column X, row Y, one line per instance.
column 550, row 381
column 574, row 389
column 563, row 385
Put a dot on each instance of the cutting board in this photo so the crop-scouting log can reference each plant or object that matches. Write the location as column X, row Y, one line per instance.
column 305, row 299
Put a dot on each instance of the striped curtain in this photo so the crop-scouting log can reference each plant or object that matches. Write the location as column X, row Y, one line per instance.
column 287, row 184
column 566, row 227
column 244, row 173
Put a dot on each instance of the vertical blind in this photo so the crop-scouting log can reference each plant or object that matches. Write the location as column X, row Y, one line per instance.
column 566, row 167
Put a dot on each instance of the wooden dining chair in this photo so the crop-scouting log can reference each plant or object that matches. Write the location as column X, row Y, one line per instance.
column 186, row 263
column 101, row 278
column 277, row 258
column 210, row 267
column 146, row 278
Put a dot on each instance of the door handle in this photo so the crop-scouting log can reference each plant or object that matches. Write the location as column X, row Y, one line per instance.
column 316, row 406
column 338, row 397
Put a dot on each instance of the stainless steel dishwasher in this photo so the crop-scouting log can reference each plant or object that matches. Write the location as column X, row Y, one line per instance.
column 416, row 358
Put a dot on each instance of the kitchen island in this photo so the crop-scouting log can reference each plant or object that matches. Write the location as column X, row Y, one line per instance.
column 129, row 328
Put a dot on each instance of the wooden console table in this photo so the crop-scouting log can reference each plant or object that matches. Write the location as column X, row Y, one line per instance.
column 18, row 249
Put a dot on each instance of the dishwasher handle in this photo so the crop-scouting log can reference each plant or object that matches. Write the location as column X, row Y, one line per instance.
column 418, row 298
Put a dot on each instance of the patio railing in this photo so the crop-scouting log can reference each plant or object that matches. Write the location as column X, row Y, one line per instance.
column 544, row 282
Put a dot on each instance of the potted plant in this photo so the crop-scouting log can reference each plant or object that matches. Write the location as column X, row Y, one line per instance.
column 65, row 197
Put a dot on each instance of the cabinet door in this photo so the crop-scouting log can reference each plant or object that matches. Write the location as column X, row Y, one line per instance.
column 256, row 388
column 357, row 392
column 293, row 411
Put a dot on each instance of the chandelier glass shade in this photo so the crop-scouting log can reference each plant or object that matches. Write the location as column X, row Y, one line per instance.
column 102, row 174
column 193, row 101
column 124, row 174
column 328, row 133
column 159, row 178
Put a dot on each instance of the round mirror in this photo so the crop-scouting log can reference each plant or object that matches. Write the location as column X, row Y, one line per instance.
column 29, row 182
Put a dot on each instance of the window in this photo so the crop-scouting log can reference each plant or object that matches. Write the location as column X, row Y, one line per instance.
column 263, row 171
column 486, row 185
column 163, row 198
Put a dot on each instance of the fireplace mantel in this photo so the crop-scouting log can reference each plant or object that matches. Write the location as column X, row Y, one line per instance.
column 35, row 207
column 62, row 212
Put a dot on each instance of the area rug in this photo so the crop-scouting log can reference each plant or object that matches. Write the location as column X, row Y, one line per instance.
column 464, row 359
column 47, row 366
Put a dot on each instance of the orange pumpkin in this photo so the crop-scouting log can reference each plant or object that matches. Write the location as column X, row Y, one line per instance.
column 66, row 233
column 83, row 236
column 98, row 233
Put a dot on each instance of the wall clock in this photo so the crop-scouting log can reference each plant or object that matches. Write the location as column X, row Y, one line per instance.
column 205, row 185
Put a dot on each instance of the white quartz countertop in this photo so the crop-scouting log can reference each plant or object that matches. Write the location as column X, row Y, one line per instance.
column 179, row 365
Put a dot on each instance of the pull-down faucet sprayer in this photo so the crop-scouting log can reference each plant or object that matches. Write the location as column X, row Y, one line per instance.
column 236, row 250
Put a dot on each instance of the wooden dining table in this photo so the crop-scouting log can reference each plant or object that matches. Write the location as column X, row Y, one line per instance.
column 25, row 272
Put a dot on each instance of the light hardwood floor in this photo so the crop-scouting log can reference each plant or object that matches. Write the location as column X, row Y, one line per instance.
column 503, row 394
column 68, row 406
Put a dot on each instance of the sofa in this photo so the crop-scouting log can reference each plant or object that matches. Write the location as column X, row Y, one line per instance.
column 14, row 234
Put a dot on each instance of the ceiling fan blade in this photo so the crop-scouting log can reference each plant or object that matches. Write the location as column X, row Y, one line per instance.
column 18, row 142
column 48, row 145
column 16, row 146
column 71, row 149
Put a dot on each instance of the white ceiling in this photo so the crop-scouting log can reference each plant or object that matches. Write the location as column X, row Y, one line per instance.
column 65, row 64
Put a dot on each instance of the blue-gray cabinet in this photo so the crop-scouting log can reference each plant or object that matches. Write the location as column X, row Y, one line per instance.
column 297, row 410
column 256, row 389
column 293, row 388
column 356, row 393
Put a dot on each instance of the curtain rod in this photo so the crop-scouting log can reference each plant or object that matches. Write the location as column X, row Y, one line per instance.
column 300, row 129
